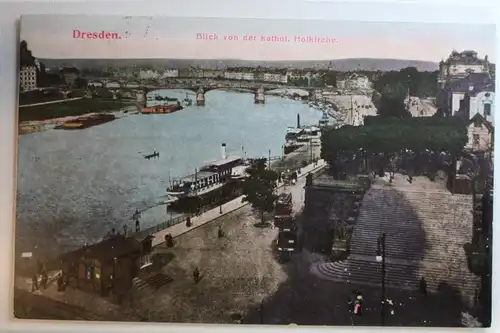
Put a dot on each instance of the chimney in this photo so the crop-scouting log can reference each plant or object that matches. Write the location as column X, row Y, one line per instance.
column 298, row 120
column 223, row 151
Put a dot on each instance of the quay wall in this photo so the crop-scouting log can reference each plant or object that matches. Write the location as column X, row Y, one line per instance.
column 211, row 215
column 292, row 162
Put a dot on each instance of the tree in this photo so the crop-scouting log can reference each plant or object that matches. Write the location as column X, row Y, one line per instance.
column 26, row 58
column 391, row 135
column 260, row 187
column 392, row 106
column 331, row 78
column 80, row 83
column 419, row 84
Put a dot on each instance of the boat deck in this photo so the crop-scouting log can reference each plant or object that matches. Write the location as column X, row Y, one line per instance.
column 199, row 175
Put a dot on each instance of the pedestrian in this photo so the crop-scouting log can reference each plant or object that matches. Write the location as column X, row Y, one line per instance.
column 220, row 233
column 60, row 283
column 423, row 286
column 169, row 240
column 196, row 275
column 358, row 303
column 34, row 283
column 45, row 279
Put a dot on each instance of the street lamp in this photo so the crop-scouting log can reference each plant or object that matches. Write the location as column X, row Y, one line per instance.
column 269, row 160
column 381, row 258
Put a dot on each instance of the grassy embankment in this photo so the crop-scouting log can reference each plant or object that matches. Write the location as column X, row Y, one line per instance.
column 70, row 108
column 33, row 97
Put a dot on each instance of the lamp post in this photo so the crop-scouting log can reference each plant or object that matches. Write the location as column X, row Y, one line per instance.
column 381, row 258
column 269, row 160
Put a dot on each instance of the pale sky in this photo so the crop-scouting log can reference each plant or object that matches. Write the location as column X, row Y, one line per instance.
column 51, row 36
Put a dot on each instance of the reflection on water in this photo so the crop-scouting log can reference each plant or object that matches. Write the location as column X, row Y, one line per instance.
column 74, row 186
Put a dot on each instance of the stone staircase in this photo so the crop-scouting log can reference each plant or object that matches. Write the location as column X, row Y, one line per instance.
column 153, row 282
column 425, row 233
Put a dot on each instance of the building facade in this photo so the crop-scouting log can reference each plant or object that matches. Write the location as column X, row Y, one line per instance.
column 28, row 78
column 170, row 73
column 241, row 76
column 459, row 65
column 275, row 77
column 481, row 102
column 148, row 74
column 341, row 84
column 357, row 82
column 477, row 88
column 213, row 73
column 298, row 77
column 479, row 134
column 106, row 268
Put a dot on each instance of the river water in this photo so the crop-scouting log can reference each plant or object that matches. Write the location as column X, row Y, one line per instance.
column 74, row 186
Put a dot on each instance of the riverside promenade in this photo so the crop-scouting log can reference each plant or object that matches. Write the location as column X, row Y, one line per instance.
column 213, row 214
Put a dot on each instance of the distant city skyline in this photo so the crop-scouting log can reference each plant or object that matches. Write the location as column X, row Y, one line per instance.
column 51, row 37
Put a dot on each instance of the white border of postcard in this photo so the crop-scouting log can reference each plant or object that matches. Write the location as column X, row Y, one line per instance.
column 479, row 11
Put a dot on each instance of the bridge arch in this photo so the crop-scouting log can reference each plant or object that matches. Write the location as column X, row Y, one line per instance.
column 133, row 84
column 95, row 83
column 113, row 84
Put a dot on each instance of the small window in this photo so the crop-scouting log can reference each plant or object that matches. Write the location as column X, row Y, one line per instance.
column 475, row 139
column 487, row 109
column 477, row 124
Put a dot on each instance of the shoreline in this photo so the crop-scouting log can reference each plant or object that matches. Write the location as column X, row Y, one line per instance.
column 292, row 161
column 36, row 126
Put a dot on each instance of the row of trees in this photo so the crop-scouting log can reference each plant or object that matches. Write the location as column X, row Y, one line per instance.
column 372, row 146
column 392, row 88
column 394, row 135
column 399, row 83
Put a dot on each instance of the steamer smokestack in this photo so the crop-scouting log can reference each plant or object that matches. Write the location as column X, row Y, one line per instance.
column 298, row 120
column 223, row 151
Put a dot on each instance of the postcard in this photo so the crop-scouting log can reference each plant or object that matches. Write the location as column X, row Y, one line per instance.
column 251, row 171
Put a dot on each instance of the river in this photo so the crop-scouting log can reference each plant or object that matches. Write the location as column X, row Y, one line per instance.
column 74, row 186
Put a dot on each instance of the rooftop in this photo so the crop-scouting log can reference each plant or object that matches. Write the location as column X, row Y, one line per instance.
column 227, row 160
column 476, row 81
column 479, row 118
column 198, row 175
column 115, row 247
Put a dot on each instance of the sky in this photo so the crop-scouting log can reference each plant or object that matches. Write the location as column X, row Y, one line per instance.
column 51, row 37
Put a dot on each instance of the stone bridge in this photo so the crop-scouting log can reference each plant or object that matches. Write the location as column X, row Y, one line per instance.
column 140, row 88
column 188, row 83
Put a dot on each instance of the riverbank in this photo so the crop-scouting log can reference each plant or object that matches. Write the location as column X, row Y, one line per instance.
column 233, row 269
column 79, row 107
column 229, row 207
column 102, row 175
column 34, row 126
column 50, row 102
column 298, row 160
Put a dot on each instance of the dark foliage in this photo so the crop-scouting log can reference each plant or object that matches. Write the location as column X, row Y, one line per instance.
column 420, row 84
column 25, row 56
column 393, row 135
column 260, row 187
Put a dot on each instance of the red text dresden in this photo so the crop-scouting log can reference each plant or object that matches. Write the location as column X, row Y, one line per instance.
column 77, row 34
